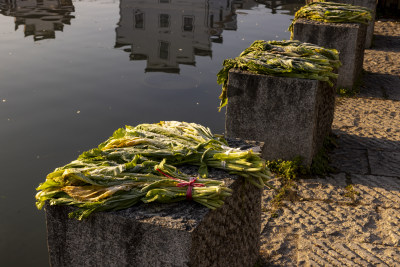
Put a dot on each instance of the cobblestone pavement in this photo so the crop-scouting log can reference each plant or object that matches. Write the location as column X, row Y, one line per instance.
column 352, row 217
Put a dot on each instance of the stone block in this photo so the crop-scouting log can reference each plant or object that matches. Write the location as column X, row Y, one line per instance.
column 176, row 234
column 370, row 4
column 290, row 116
column 347, row 38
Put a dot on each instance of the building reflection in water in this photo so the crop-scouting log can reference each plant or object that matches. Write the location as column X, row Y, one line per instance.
column 291, row 6
column 168, row 33
column 41, row 18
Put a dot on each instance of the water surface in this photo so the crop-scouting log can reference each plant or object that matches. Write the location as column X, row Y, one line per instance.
column 73, row 72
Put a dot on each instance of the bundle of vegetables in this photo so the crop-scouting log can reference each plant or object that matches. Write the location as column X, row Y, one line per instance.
column 333, row 12
column 139, row 164
column 282, row 58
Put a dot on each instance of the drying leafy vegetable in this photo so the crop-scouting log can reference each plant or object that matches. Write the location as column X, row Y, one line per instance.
column 138, row 164
column 282, row 58
column 333, row 12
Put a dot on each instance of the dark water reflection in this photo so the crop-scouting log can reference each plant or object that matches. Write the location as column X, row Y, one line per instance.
column 39, row 18
column 288, row 7
column 167, row 34
column 95, row 66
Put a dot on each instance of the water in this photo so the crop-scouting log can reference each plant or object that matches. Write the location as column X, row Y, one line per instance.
column 73, row 72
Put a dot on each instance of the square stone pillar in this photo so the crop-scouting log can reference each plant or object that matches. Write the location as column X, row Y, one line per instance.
column 176, row 234
column 370, row 4
column 290, row 116
column 347, row 38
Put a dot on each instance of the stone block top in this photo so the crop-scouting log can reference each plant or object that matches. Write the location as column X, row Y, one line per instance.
column 371, row 4
column 339, row 25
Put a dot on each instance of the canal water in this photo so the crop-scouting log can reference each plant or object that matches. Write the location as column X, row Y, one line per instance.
column 73, row 72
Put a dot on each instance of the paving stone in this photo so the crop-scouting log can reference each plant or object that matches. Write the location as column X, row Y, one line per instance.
column 313, row 251
column 367, row 123
column 267, row 197
column 371, row 114
column 350, row 160
column 388, row 28
column 388, row 226
column 323, row 219
column 385, row 61
column 377, row 190
column 279, row 247
column 364, row 138
column 327, row 188
column 380, row 86
column 386, row 43
column 384, row 162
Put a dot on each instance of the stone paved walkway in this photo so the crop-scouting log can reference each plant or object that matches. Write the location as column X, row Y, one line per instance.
column 351, row 218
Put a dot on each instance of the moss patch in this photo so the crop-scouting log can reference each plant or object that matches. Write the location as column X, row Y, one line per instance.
column 351, row 192
column 294, row 169
column 354, row 91
column 287, row 169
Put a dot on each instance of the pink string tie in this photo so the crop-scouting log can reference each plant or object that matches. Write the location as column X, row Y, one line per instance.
column 182, row 183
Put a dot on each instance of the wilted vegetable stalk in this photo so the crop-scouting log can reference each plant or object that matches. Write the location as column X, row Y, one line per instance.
column 332, row 12
column 282, row 58
column 138, row 164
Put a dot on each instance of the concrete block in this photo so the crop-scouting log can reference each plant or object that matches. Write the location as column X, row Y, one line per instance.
column 370, row 4
column 347, row 38
column 176, row 234
column 290, row 116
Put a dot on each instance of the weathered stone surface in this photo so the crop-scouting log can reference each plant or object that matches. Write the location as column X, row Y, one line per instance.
column 347, row 38
column 384, row 162
column 370, row 4
column 328, row 219
column 339, row 252
column 377, row 190
column 388, row 227
column 291, row 116
column 350, row 160
column 327, row 188
column 177, row 234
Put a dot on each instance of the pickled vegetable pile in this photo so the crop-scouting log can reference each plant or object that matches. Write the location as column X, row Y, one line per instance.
column 139, row 164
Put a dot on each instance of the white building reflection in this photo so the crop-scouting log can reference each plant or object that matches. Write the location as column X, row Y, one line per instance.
column 40, row 18
column 290, row 6
column 168, row 33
